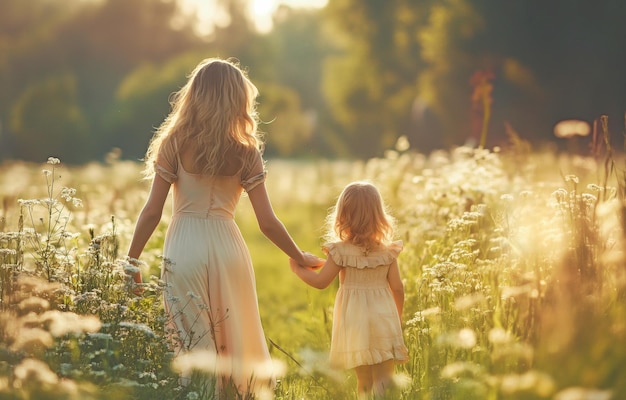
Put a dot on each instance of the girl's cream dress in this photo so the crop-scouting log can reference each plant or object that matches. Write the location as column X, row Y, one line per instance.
column 366, row 325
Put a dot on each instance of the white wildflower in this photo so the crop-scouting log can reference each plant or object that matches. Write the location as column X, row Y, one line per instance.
column 401, row 380
column 421, row 315
column 514, row 291
column 402, row 144
column 466, row 338
column 67, row 193
column 28, row 202
column 588, row 198
column 131, row 269
column 31, row 370
column 461, row 368
column 34, row 303
column 100, row 336
column 192, row 295
column 580, row 393
column 138, row 327
column 32, row 339
column 526, row 193
column 533, row 381
column 499, row 336
column 466, row 302
column 61, row 323
column 595, row 188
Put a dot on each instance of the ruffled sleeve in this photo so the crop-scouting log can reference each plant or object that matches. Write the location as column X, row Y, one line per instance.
column 256, row 175
column 348, row 255
column 166, row 162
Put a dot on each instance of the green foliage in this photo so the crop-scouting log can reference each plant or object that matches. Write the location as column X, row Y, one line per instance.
column 346, row 80
column 449, row 63
column 47, row 117
column 284, row 123
column 142, row 103
column 370, row 79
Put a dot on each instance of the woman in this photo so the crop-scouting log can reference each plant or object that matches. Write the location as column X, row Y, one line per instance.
column 209, row 151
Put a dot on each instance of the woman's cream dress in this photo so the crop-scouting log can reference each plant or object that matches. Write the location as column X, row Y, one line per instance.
column 211, row 296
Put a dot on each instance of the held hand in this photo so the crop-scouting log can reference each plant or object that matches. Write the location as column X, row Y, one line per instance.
column 293, row 265
column 312, row 261
column 137, row 287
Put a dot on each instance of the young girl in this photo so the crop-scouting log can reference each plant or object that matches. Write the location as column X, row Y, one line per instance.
column 367, row 333
column 208, row 151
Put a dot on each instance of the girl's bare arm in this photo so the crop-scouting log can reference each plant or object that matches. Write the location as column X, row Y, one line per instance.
column 319, row 280
column 397, row 287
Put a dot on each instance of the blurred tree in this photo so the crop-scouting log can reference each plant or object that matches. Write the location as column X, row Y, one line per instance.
column 347, row 80
column 27, row 52
column 561, row 58
column 405, row 67
column 98, row 43
column 449, row 60
column 142, row 103
column 108, row 41
column 291, row 96
column 122, row 34
column 48, row 121
column 370, row 82
column 288, row 128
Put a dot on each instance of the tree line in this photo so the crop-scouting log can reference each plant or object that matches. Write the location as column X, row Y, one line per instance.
column 80, row 78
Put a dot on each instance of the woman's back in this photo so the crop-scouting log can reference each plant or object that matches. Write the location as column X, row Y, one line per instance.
column 230, row 165
column 205, row 195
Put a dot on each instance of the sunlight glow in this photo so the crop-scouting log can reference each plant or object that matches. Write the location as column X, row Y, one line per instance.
column 262, row 8
column 261, row 12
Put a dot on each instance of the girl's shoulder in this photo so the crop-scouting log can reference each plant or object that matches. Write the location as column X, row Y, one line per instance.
column 346, row 254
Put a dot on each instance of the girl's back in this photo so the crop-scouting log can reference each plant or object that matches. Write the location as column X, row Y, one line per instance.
column 369, row 268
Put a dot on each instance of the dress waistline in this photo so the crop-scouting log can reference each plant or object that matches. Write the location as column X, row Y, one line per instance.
column 365, row 285
column 210, row 214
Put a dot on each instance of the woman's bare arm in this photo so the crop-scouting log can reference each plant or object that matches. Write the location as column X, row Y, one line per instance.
column 274, row 230
column 149, row 219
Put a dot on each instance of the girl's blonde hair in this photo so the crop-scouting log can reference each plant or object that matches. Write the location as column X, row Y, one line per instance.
column 215, row 111
column 360, row 217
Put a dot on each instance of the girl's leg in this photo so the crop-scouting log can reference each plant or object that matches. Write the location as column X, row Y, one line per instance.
column 381, row 376
column 363, row 380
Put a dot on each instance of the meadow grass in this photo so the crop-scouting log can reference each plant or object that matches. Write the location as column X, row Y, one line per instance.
column 513, row 265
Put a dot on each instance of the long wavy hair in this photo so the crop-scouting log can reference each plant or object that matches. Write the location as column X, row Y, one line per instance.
column 360, row 217
column 213, row 113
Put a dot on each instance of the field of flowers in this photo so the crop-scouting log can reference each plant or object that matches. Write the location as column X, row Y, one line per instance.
column 513, row 264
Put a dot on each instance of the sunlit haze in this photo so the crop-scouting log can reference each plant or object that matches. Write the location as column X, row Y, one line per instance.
column 209, row 13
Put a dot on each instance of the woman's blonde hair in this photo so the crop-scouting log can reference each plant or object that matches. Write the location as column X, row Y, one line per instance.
column 216, row 112
column 360, row 217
